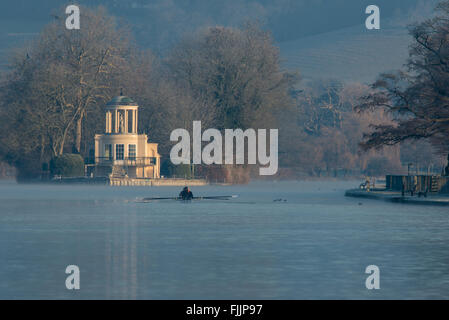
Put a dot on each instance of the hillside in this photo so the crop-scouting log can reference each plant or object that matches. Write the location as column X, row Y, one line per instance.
column 350, row 54
column 320, row 38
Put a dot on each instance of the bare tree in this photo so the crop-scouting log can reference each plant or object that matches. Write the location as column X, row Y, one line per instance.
column 92, row 59
column 60, row 79
column 235, row 73
column 418, row 97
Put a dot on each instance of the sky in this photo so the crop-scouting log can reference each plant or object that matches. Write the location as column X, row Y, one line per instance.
column 321, row 38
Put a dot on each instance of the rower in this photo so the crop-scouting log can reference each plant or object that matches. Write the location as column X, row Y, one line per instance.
column 186, row 194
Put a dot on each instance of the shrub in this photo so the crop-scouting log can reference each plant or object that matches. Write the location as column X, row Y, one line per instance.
column 177, row 171
column 27, row 170
column 67, row 165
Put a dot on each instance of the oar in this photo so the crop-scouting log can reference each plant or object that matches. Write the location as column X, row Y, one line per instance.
column 194, row 198
column 169, row 198
column 217, row 197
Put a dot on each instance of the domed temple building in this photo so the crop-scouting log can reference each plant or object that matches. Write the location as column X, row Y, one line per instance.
column 121, row 152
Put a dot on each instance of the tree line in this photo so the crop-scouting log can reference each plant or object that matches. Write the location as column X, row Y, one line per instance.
column 53, row 95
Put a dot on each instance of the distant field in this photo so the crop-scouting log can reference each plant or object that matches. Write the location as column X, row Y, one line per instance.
column 350, row 54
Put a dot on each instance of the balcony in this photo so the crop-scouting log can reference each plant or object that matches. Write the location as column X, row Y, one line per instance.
column 127, row 161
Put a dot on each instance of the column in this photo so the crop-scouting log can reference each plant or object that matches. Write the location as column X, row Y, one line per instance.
column 110, row 122
column 107, row 122
column 136, row 120
column 116, row 120
column 132, row 121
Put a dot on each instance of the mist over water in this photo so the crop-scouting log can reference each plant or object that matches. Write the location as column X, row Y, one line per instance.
column 315, row 245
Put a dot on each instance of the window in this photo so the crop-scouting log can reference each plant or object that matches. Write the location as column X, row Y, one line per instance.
column 108, row 151
column 119, row 151
column 132, row 152
column 130, row 121
column 113, row 121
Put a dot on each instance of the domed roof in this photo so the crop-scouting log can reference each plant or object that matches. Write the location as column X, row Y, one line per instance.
column 121, row 101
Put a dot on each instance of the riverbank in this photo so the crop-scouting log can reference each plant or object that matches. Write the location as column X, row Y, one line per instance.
column 395, row 196
column 131, row 182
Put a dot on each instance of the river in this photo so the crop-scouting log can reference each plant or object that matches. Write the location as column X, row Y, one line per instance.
column 315, row 245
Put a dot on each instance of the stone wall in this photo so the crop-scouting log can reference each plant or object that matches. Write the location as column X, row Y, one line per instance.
column 156, row 182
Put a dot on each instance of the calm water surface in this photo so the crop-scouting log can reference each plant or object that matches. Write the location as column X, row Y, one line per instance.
column 316, row 245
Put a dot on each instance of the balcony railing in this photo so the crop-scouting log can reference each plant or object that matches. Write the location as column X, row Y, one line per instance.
column 127, row 161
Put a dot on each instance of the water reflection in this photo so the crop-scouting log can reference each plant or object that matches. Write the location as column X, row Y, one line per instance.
column 121, row 243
